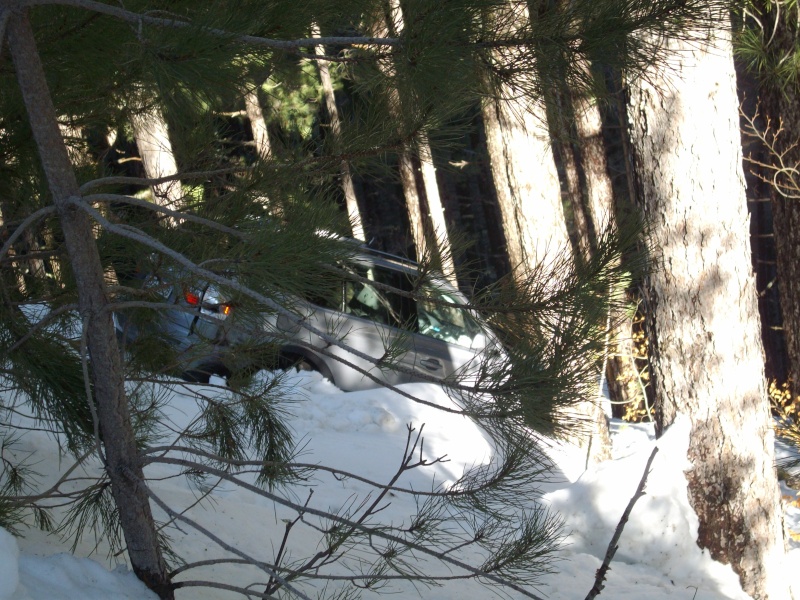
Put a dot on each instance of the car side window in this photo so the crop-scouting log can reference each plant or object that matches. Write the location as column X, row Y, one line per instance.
column 440, row 318
column 367, row 297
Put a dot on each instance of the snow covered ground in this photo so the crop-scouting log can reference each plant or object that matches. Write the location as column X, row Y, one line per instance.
column 366, row 431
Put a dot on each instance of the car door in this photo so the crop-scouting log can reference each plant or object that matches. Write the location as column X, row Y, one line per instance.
column 449, row 338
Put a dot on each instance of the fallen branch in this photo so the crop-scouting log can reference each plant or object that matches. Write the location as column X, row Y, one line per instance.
column 600, row 576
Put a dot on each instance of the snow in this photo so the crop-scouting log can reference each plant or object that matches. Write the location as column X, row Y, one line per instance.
column 367, row 432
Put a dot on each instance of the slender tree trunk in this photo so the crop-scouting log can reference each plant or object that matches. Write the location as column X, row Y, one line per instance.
column 121, row 454
column 529, row 193
column 436, row 210
column 563, row 138
column 418, row 218
column 561, row 122
column 416, row 214
column 705, row 345
column 350, row 198
column 258, row 124
column 620, row 367
column 155, row 150
column 599, row 190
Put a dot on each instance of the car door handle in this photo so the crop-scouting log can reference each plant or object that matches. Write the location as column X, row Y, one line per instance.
column 431, row 364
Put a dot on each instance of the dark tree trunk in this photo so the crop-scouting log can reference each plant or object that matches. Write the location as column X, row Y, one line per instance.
column 780, row 106
column 121, row 455
column 706, row 355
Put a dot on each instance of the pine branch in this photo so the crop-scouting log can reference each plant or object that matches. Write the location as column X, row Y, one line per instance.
column 139, row 19
column 41, row 323
column 600, row 576
column 144, row 182
column 29, row 221
column 442, row 556
column 268, row 569
column 177, row 214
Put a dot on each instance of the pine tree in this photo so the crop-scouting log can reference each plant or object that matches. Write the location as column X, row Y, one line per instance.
column 703, row 325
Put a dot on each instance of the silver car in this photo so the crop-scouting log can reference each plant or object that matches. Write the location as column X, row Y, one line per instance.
column 375, row 328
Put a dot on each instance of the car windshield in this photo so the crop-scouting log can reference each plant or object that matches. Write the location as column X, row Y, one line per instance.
column 439, row 313
column 440, row 316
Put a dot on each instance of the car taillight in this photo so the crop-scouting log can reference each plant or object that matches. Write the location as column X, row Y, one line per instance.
column 222, row 309
column 191, row 298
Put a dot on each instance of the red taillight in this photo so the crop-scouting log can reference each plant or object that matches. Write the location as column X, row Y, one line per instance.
column 191, row 298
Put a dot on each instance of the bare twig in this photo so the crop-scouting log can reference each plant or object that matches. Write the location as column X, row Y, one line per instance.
column 785, row 173
column 337, row 473
column 600, row 576
column 374, row 532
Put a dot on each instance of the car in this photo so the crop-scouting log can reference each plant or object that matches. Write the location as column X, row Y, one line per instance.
column 380, row 326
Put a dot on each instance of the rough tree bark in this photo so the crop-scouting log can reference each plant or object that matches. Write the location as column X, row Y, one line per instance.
column 706, row 354
column 121, row 454
column 526, row 180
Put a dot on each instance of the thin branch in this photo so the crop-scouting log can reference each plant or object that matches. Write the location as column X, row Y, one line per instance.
column 210, row 535
column 51, row 492
column 286, row 45
column 184, row 216
column 324, row 556
column 600, row 576
column 785, row 177
column 41, row 323
column 144, row 182
column 39, row 214
column 338, row 473
column 350, row 524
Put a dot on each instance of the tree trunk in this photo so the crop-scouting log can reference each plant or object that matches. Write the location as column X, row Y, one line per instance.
column 599, row 190
column 258, row 124
column 705, row 346
column 562, row 124
column 121, row 454
column 526, row 180
column 562, row 133
column 416, row 214
column 436, row 211
column 350, row 198
column 155, row 150
column 781, row 107
column 619, row 369
column 529, row 194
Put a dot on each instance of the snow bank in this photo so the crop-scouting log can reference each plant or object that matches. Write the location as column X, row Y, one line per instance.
column 658, row 550
column 9, row 564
